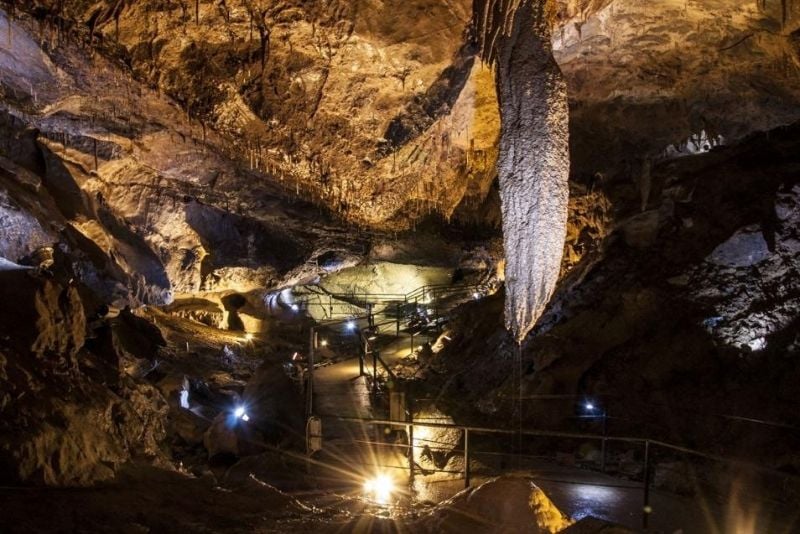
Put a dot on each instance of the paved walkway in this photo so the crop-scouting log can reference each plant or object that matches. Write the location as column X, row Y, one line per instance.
column 339, row 391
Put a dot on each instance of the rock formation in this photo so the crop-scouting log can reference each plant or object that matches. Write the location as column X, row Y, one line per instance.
column 70, row 413
column 533, row 162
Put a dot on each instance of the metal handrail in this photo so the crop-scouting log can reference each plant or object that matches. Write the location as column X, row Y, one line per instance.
column 388, row 298
column 565, row 435
column 466, row 452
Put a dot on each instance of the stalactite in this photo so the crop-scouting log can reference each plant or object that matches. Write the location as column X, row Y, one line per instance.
column 784, row 12
column 533, row 160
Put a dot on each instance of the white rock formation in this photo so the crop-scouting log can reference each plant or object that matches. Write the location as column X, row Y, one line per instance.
column 533, row 164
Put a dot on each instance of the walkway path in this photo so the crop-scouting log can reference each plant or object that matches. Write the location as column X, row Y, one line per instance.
column 340, row 391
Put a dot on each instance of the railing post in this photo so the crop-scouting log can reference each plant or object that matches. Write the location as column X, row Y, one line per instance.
column 312, row 338
column 361, row 355
column 603, row 444
column 646, row 510
column 398, row 319
column 374, row 372
column 466, row 459
column 410, row 433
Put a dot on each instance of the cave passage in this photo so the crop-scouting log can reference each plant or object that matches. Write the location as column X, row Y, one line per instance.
column 435, row 266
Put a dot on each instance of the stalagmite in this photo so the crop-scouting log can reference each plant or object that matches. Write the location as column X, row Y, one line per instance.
column 533, row 163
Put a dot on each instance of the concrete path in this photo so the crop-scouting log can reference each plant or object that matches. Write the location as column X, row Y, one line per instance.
column 339, row 391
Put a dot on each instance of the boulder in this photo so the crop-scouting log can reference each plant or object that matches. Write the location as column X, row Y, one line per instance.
column 437, row 448
column 274, row 403
column 41, row 316
column 501, row 505
column 230, row 437
column 68, row 416
column 188, row 426
column 221, row 438
column 744, row 248
column 78, row 439
column 641, row 231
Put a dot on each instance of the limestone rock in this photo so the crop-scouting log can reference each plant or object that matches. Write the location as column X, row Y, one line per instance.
column 503, row 504
column 40, row 315
column 437, row 448
column 222, row 436
column 68, row 416
column 274, row 403
column 641, row 230
column 533, row 163
column 744, row 248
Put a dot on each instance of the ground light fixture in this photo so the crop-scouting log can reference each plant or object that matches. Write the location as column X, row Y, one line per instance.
column 248, row 336
column 379, row 489
column 350, row 325
column 295, row 307
column 241, row 413
column 184, row 398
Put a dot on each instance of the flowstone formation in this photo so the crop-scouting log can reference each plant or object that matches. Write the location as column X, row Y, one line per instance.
column 533, row 162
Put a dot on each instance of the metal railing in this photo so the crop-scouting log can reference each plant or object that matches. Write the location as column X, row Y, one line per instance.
column 431, row 294
column 649, row 448
column 342, row 304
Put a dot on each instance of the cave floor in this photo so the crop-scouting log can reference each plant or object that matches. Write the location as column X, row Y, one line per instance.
column 146, row 499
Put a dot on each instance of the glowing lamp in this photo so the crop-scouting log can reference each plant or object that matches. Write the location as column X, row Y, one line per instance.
column 350, row 325
column 589, row 407
column 248, row 336
column 240, row 413
column 379, row 489
column 184, row 398
column 295, row 307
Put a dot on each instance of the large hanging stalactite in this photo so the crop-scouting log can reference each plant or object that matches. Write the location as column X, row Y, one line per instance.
column 533, row 164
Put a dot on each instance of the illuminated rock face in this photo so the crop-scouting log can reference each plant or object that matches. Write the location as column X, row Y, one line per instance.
column 533, row 163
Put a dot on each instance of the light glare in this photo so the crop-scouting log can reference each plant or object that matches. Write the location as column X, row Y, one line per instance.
column 379, row 489
column 184, row 399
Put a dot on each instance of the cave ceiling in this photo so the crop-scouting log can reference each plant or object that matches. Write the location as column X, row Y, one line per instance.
column 177, row 125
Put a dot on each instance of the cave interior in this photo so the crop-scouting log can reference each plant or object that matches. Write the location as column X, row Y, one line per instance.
column 466, row 266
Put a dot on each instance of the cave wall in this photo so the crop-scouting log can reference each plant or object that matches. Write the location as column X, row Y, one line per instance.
column 687, row 326
column 382, row 124
column 118, row 174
